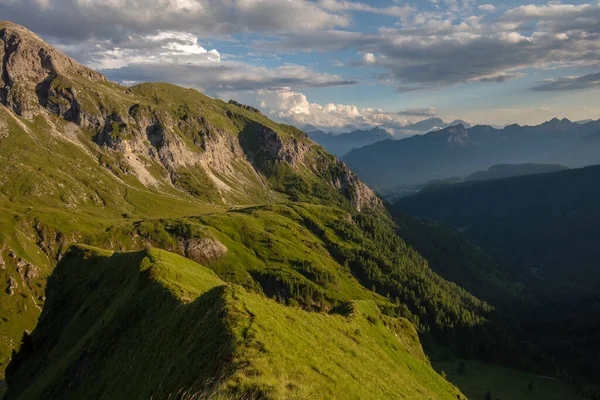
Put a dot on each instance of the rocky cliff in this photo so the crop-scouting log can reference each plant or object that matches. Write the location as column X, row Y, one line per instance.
column 164, row 135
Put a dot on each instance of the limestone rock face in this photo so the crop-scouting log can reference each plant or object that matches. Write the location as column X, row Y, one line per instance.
column 28, row 67
column 12, row 286
column 360, row 195
column 205, row 250
column 162, row 134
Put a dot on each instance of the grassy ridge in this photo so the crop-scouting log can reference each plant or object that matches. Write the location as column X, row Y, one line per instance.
column 212, row 338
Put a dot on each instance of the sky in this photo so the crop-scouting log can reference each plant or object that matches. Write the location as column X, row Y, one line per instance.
column 342, row 65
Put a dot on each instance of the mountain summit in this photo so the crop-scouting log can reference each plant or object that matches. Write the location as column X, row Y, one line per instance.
column 164, row 135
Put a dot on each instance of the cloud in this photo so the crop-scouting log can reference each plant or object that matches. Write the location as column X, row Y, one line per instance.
column 502, row 77
column 341, row 5
column 115, row 20
column 550, row 11
column 487, row 7
column 368, row 59
column 226, row 76
column 293, row 107
column 167, row 47
column 432, row 51
column 419, row 112
column 569, row 83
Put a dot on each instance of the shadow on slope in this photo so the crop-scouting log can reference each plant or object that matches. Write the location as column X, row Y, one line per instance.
column 151, row 324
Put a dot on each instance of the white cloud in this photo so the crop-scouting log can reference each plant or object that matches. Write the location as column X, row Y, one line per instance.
column 293, row 107
column 487, row 7
column 226, row 76
column 434, row 50
column 368, row 58
column 167, row 47
column 341, row 5
column 117, row 19
column 549, row 11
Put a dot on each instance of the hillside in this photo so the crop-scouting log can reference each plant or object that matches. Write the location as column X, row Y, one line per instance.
column 98, row 338
column 84, row 160
column 79, row 154
column 546, row 221
column 586, row 151
column 509, row 170
column 460, row 151
column 543, row 229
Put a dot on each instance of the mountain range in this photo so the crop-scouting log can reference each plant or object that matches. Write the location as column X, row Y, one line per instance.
column 461, row 151
column 159, row 243
column 431, row 124
column 342, row 143
column 257, row 226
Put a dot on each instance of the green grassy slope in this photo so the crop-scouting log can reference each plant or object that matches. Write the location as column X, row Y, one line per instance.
column 213, row 338
column 84, row 160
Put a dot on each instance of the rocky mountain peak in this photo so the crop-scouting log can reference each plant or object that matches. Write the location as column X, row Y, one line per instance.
column 29, row 65
column 167, row 136
column 458, row 134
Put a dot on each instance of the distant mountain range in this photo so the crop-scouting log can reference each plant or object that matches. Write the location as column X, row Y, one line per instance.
column 342, row 143
column 460, row 151
column 432, row 124
column 509, row 170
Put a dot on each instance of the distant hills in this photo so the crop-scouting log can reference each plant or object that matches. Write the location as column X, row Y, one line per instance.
column 510, row 170
column 461, row 151
column 343, row 143
column 545, row 224
column 585, row 151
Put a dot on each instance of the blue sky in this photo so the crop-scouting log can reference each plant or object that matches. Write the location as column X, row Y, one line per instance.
column 341, row 64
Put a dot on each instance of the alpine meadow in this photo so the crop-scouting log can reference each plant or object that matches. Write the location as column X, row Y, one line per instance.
column 289, row 216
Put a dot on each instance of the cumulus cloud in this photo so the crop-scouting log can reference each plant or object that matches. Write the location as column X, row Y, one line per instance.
column 368, row 58
column 293, row 107
column 167, row 47
column 569, row 83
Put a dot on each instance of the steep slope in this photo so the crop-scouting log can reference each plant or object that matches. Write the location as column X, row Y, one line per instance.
column 544, row 229
column 510, row 170
column 79, row 154
column 86, row 160
column 151, row 324
column 458, row 260
column 545, row 222
column 163, row 135
column 344, row 142
column 460, row 151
